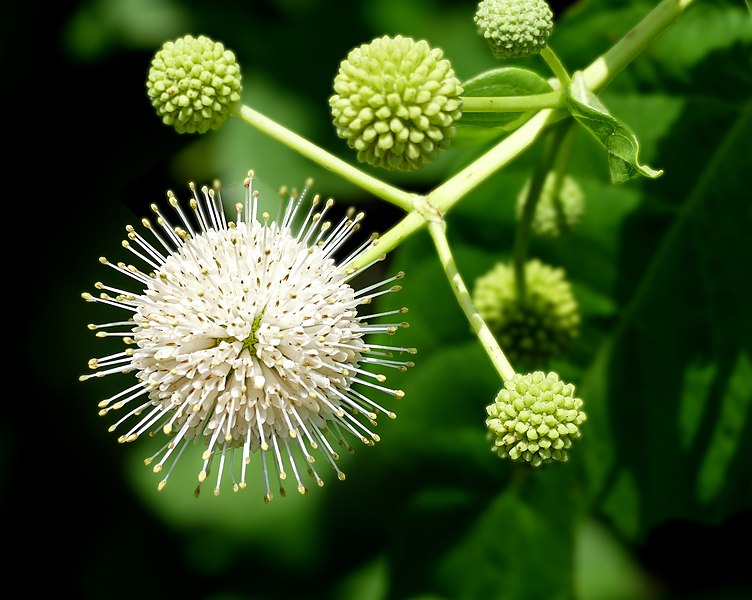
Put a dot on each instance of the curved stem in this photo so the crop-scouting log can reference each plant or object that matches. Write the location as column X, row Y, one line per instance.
column 327, row 160
column 494, row 104
column 604, row 68
column 486, row 338
column 537, row 182
column 555, row 65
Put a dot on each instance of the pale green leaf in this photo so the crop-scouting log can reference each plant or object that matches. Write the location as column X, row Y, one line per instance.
column 620, row 142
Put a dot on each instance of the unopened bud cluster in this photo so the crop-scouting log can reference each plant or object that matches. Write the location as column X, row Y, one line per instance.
column 515, row 28
column 535, row 418
column 536, row 328
column 395, row 102
column 194, row 84
column 560, row 207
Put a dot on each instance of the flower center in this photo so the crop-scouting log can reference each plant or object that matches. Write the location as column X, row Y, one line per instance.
column 251, row 341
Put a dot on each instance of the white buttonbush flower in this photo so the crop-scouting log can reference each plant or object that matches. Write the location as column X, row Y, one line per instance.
column 245, row 336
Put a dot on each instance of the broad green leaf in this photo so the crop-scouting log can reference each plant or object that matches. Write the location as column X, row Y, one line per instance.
column 669, row 393
column 604, row 568
column 369, row 582
column 619, row 141
column 501, row 550
column 705, row 30
column 726, row 438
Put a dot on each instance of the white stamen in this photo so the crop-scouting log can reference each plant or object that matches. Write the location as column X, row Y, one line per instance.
column 133, row 235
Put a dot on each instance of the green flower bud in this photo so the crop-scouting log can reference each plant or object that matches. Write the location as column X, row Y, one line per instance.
column 193, row 84
column 515, row 28
column 534, row 419
column 395, row 102
column 560, row 206
column 538, row 329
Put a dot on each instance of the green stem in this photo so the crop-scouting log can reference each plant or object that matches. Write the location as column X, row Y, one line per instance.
column 486, row 338
column 327, row 160
column 494, row 104
column 559, row 171
column 537, row 181
column 455, row 188
column 442, row 198
column 604, row 68
column 410, row 223
column 555, row 65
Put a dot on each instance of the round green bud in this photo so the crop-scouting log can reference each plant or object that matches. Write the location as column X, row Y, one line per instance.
column 534, row 331
column 560, row 207
column 534, row 419
column 194, row 84
column 515, row 28
column 395, row 102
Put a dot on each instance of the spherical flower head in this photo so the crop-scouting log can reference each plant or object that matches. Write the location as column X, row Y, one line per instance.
column 536, row 330
column 395, row 103
column 245, row 337
column 535, row 419
column 560, row 207
column 194, row 84
column 515, row 28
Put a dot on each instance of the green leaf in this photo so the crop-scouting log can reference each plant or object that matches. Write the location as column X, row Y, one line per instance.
column 369, row 582
column 726, row 437
column 707, row 28
column 604, row 568
column 619, row 141
column 502, row 552
column 500, row 82
column 670, row 408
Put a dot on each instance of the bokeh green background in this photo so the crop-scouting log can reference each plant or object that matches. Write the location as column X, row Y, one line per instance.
column 656, row 502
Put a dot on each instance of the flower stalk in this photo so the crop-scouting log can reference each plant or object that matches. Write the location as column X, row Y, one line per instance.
column 522, row 232
column 604, row 68
column 501, row 104
column 329, row 161
column 437, row 229
column 555, row 64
